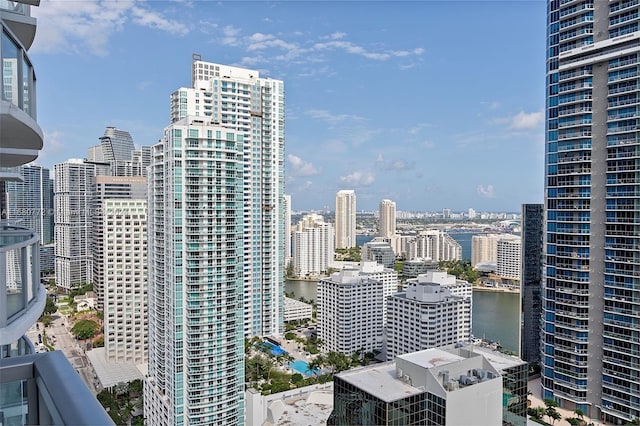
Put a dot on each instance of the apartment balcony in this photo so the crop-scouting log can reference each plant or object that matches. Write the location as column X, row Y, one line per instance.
column 22, row 297
column 20, row 136
column 17, row 16
column 44, row 389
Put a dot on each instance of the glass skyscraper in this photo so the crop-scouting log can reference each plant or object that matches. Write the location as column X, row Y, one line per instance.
column 590, row 349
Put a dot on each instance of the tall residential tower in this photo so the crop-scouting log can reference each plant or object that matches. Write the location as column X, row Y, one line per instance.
column 387, row 218
column 346, row 219
column 591, row 282
column 216, row 242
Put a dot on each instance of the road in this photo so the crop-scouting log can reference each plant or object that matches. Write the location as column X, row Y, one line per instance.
column 61, row 339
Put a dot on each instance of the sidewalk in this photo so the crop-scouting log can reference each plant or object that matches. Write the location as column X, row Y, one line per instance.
column 536, row 401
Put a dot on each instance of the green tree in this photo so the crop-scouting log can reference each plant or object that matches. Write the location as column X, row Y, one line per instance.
column 49, row 307
column 85, row 329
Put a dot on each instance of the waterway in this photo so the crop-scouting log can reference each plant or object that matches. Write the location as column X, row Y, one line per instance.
column 495, row 314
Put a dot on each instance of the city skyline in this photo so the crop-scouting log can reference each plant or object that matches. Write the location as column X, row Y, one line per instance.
column 440, row 139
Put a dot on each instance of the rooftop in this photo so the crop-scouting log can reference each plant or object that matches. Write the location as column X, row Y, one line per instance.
column 380, row 381
column 430, row 358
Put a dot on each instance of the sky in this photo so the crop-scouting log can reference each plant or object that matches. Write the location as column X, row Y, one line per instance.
column 430, row 104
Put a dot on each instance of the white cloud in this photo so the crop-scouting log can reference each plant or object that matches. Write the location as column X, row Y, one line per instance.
column 53, row 144
column 359, row 179
column 485, row 191
column 321, row 114
column 300, row 167
column 230, row 35
column 525, row 121
column 86, row 27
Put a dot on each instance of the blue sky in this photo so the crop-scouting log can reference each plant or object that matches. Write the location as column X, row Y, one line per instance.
column 430, row 104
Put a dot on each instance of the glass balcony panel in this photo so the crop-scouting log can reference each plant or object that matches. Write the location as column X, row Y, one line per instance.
column 14, row 405
column 10, row 79
column 14, row 280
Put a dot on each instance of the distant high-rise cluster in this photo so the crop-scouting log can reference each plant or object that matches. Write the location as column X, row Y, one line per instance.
column 345, row 216
column 590, row 330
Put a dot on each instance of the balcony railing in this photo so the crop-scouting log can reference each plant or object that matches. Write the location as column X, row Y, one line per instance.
column 46, row 389
column 21, row 294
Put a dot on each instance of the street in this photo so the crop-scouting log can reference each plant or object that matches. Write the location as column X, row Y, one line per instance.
column 61, row 339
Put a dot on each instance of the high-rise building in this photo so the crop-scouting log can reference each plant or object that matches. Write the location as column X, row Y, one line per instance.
column 471, row 214
column 117, row 145
column 124, row 295
column 216, row 242
column 530, row 281
column 345, row 219
column 350, row 309
column 591, row 281
column 380, row 252
column 387, row 218
column 433, row 244
column 312, row 246
column 508, row 257
column 287, row 230
column 73, row 194
column 107, row 188
column 434, row 310
column 484, row 248
column 35, row 388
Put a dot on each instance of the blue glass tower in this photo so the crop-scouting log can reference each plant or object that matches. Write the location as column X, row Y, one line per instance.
column 591, row 274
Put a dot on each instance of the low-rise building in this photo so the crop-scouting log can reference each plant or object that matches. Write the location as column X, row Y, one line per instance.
column 433, row 386
column 295, row 310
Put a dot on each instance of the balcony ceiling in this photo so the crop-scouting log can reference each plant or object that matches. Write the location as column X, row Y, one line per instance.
column 20, row 136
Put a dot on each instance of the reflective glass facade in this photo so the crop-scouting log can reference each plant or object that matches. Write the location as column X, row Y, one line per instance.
column 591, row 276
column 354, row 406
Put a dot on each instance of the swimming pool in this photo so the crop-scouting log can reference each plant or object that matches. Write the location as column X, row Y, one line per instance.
column 273, row 349
column 303, row 367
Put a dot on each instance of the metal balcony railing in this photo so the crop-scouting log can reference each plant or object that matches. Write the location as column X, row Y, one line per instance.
column 46, row 389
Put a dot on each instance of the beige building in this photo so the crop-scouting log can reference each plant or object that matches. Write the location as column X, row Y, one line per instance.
column 387, row 219
column 125, row 271
column 484, row 248
column 345, row 219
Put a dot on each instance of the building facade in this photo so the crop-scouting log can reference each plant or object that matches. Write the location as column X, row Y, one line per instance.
column 125, row 271
column 312, row 246
column 107, row 188
column 349, row 315
column 216, row 242
column 295, row 310
column 484, row 249
column 428, row 314
column 591, row 280
column 195, row 291
column 433, row 244
column 429, row 387
column 345, row 215
column 387, row 218
column 380, row 252
column 73, row 196
column 531, row 281
column 509, row 257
